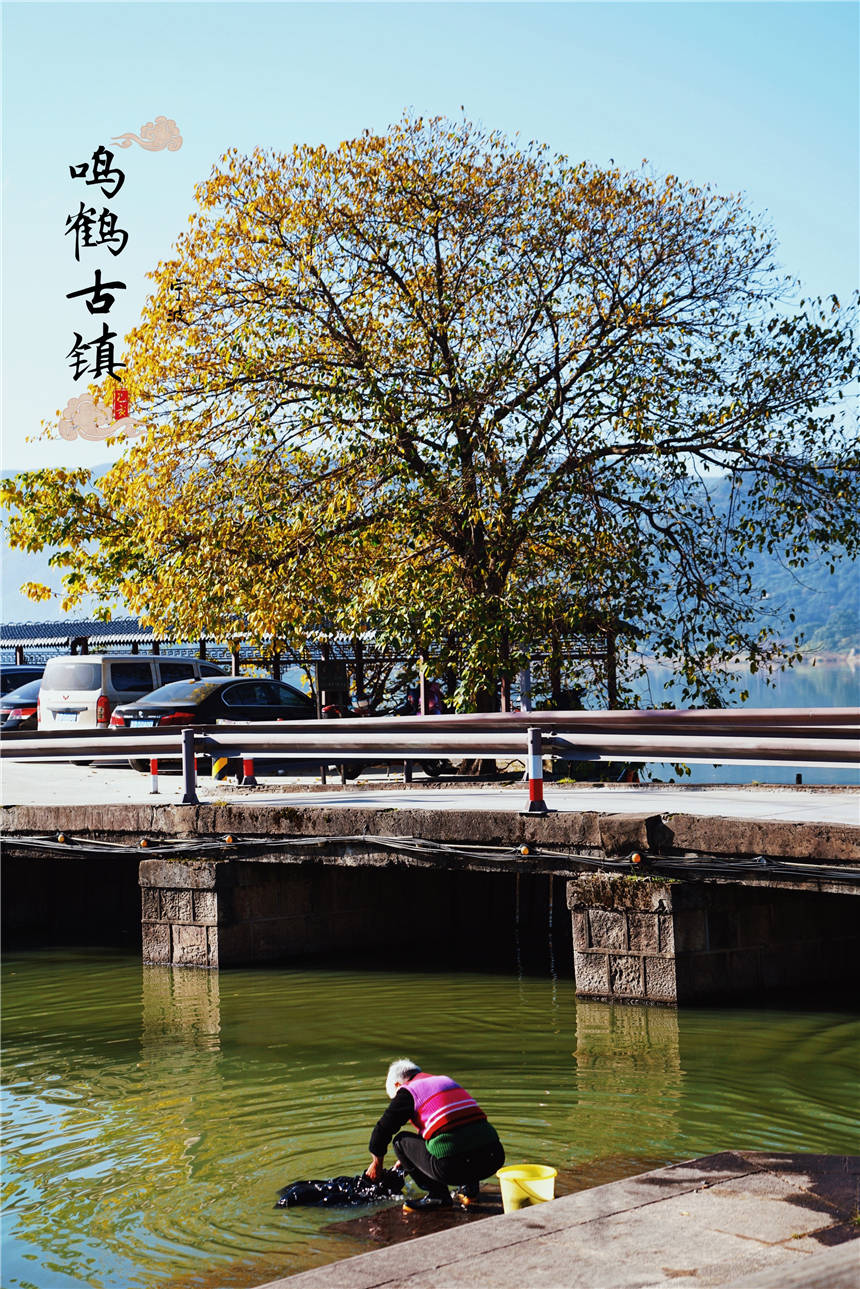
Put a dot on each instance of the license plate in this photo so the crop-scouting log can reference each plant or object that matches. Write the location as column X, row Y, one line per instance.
column 66, row 718
column 136, row 725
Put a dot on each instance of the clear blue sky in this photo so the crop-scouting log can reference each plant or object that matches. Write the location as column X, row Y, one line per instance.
column 760, row 98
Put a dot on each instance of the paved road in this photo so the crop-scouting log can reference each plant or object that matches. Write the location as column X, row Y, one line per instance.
column 52, row 783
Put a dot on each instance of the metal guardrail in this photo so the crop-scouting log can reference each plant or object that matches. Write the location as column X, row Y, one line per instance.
column 812, row 736
column 805, row 721
column 337, row 745
column 820, row 736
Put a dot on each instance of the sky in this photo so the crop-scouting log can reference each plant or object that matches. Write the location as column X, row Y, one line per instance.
column 757, row 98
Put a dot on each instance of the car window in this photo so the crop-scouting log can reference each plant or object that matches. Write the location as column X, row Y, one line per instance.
column 130, row 677
column 289, row 697
column 24, row 693
column 183, row 691
column 266, row 693
column 252, row 693
column 12, row 677
column 171, row 671
column 210, row 669
column 65, row 674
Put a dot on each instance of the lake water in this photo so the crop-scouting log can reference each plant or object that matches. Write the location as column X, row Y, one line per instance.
column 820, row 684
column 152, row 1113
column 824, row 684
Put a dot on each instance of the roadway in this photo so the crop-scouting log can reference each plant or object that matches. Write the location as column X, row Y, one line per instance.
column 34, row 783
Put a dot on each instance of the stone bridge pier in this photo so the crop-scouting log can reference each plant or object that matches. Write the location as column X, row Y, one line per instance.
column 652, row 940
column 756, row 907
column 624, row 938
column 222, row 913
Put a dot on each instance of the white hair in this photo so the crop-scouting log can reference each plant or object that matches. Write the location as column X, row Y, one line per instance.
column 400, row 1071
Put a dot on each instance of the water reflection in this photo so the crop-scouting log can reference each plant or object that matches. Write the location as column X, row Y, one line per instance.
column 181, row 1003
column 630, row 1056
column 153, row 1113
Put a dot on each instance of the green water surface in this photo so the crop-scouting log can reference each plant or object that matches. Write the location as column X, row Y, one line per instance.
column 151, row 1113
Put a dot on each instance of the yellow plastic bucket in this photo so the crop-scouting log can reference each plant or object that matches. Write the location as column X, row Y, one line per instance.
column 526, row 1184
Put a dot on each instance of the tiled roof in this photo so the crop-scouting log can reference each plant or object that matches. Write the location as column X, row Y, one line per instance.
column 63, row 630
column 128, row 631
column 124, row 632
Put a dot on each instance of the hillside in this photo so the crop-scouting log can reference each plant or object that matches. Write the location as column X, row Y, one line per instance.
column 826, row 605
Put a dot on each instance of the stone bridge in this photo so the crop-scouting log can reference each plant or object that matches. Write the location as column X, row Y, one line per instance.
column 640, row 908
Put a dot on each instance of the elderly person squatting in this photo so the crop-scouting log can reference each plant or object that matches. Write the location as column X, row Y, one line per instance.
column 457, row 1145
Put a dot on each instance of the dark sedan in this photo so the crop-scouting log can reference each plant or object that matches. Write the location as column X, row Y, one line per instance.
column 221, row 698
column 18, row 674
column 206, row 702
column 18, row 708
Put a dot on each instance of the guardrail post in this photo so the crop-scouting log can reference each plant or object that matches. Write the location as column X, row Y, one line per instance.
column 537, row 805
column 189, row 769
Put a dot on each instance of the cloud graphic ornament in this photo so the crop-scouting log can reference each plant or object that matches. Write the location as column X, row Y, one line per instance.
column 83, row 418
column 155, row 136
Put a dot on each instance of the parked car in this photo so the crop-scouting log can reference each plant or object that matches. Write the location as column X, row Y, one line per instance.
column 18, row 708
column 17, row 674
column 206, row 702
column 81, row 690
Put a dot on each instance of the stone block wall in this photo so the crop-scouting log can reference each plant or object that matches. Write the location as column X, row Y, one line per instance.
column 185, row 905
column 220, row 913
column 651, row 940
column 623, row 939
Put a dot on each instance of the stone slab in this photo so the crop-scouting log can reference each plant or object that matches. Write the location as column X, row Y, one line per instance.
column 719, row 1221
column 838, row 1268
column 181, row 874
column 491, row 817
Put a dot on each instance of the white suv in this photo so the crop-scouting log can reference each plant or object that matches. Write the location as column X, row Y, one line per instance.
column 81, row 690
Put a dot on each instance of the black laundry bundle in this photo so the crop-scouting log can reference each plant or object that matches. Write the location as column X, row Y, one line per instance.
column 343, row 1190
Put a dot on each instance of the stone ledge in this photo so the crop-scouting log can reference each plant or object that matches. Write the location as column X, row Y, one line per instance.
column 588, row 830
column 717, row 1221
column 186, row 874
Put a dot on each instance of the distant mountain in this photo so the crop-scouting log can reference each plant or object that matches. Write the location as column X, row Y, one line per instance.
column 20, row 567
column 826, row 605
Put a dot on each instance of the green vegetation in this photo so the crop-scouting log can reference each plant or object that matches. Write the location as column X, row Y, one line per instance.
column 460, row 391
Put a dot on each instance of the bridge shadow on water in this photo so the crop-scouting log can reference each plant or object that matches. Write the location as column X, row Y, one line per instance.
column 382, row 917
column 416, row 917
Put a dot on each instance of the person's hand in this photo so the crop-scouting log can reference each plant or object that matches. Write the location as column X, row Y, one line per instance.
column 375, row 1168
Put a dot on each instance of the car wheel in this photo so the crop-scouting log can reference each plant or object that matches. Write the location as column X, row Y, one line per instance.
column 433, row 769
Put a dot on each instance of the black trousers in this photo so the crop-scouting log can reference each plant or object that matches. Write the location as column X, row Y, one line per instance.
column 436, row 1175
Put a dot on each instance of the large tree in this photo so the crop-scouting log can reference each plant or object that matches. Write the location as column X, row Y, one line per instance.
column 463, row 391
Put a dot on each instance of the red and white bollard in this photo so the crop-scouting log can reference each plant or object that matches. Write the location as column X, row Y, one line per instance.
column 153, row 775
column 534, row 760
column 248, row 778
